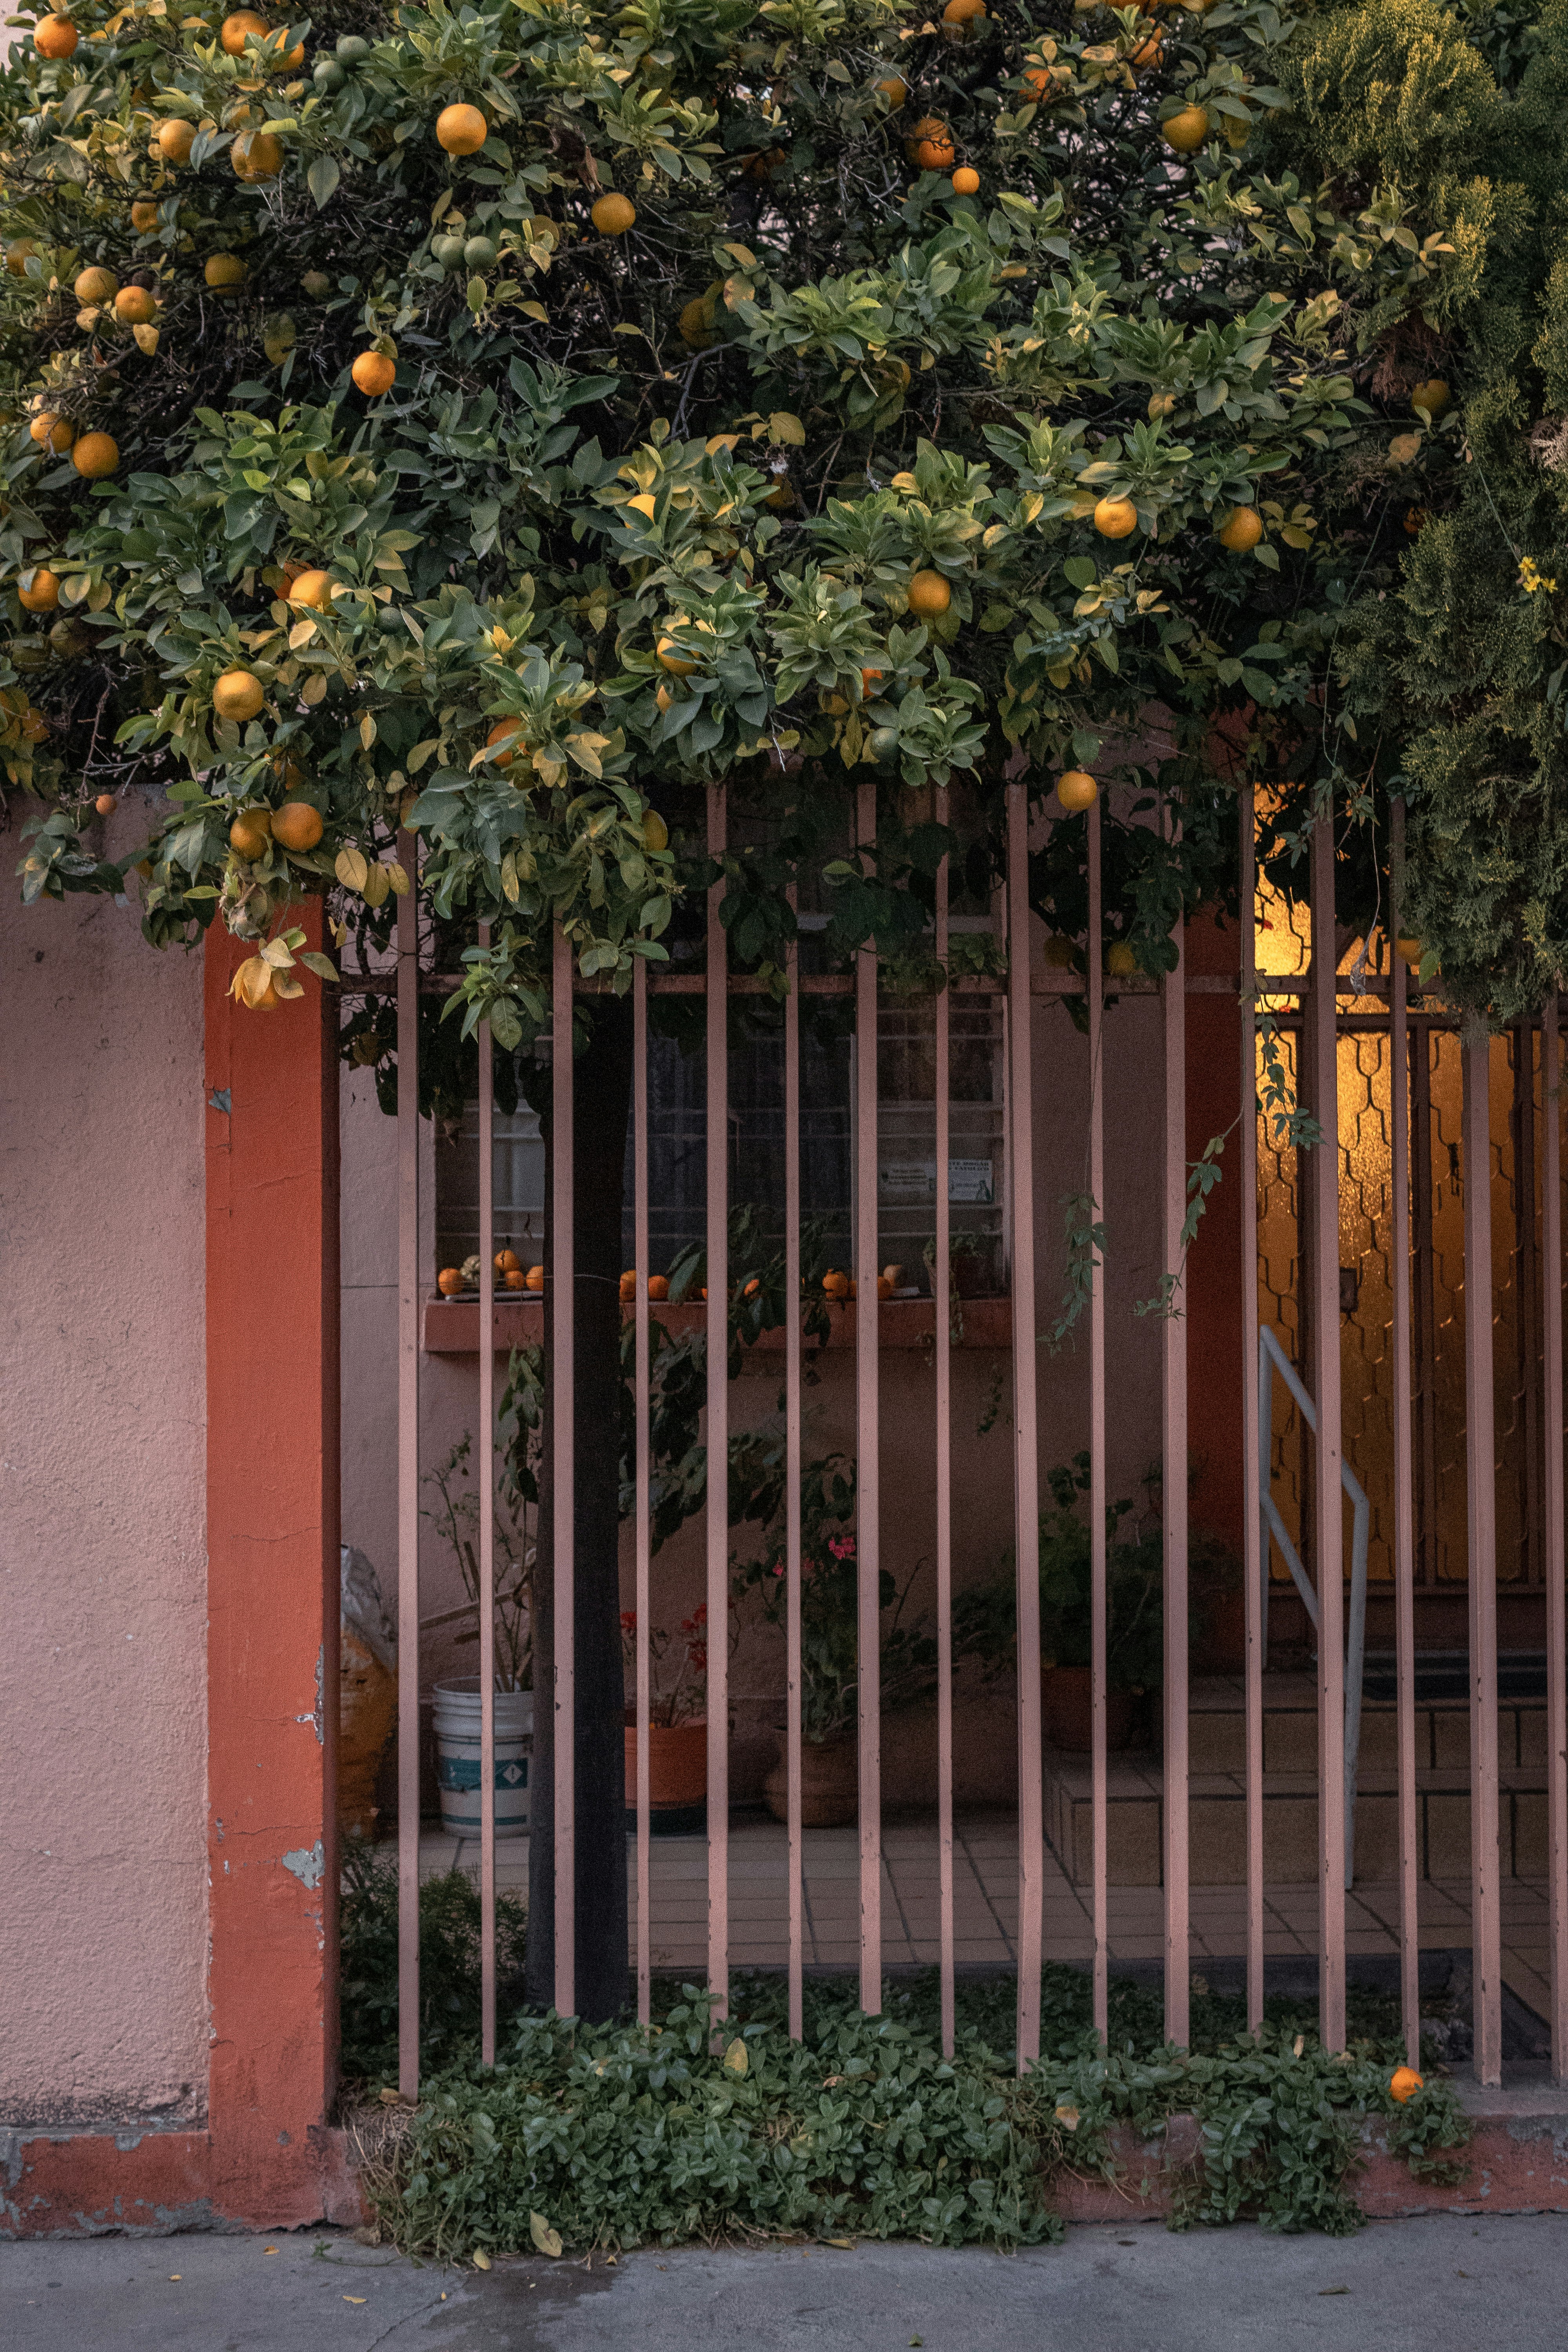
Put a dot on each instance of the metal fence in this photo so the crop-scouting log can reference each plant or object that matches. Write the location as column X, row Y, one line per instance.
column 1317, row 1025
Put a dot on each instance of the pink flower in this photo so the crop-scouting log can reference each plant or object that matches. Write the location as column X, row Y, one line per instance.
column 779, row 1570
column 841, row 1547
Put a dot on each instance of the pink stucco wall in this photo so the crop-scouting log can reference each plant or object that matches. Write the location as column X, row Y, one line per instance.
column 102, row 1543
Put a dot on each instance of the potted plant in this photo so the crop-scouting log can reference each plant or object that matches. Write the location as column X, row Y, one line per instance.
column 456, row 1700
column 829, row 1590
column 678, row 1723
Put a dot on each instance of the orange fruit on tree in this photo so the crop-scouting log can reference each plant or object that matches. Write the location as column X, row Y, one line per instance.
column 144, row 215
column 17, row 256
column 643, row 503
column 1409, row 952
column 1077, row 789
column 461, row 130
column 249, row 834
column 374, row 372
column 612, row 215
column 1041, row 84
column 935, row 153
column 297, row 825
column 137, row 305
column 224, row 271
column 284, row 59
column 658, row 1285
column 95, row 456
column 963, row 11
column 106, row 803
column 504, row 731
column 965, row 180
column 1115, row 517
column 673, row 659
column 929, row 126
column 311, row 590
column 1433, row 396
column 94, row 284
column 664, row 699
column 1186, row 129
column 929, row 595
column 1120, row 962
column 895, row 89
column 56, row 37
column 257, row 155
column 696, row 325
column 1243, row 529
column 175, row 141
column 52, row 432
column 449, row 1281
column 44, row 593
column 1403, row 2083
column 235, row 30
column 238, row 695
column 1150, row 52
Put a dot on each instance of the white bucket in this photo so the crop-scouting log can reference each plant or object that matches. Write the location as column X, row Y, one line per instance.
column 457, row 1718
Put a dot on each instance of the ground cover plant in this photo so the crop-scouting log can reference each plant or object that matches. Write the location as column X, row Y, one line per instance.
column 620, row 2136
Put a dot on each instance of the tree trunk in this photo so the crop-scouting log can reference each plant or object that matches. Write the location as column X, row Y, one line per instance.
column 602, row 1082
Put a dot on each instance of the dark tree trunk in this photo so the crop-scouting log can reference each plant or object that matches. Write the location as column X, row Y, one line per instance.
column 602, row 1083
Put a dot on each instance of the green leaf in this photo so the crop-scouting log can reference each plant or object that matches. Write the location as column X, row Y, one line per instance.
column 321, row 179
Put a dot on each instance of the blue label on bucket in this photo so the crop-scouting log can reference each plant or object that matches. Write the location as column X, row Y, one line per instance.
column 463, row 1772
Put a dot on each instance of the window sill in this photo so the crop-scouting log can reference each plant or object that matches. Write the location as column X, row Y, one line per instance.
column 452, row 1325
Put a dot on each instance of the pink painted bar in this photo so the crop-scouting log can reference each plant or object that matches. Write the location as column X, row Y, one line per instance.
column 1556, row 1628
column 1403, row 1469
column 1328, row 1501
column 561, row 1275
column 1174, row 1508
column 1251, row 1467
column 867, row 1442
column 486, row 1470
column 718, row 1432
column 1026, row 1438
column 642, row 1408
column 1481, row 1483
column 792, row 1497
column 1099, row 1816
column 940, row 1276
column 408, row 1471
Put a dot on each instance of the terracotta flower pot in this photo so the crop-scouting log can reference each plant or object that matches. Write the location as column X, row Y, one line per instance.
column 677, row 1767
column 829, row 1784
column 1070, row 1717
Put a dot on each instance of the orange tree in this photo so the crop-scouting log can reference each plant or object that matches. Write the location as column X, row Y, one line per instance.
column 503, row 423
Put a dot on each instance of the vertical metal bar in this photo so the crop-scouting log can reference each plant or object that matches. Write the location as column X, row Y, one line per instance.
column 1251, row 1470
column 1480, row 1480
column 408, row 1471
column 1556, row 1608
column 486, row 1469
column 1404, row 1468
column 1097, row 1548
column 1026, row 1442
column 561, row 1275
column 1424, row 1308
column 792, row 1663
column 642, row 1379
column 1525, row 1291
column 1173, row 1505
column 868, row 1441
column 1328, row 1513
column 940, row 1278
column 718, row 1511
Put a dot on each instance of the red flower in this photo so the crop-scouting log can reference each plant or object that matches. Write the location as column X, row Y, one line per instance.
column 841, row 1547
column 628, row 1621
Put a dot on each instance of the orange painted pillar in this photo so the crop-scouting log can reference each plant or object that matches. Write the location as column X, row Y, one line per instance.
column 1218, row 1351
column 271, row 1091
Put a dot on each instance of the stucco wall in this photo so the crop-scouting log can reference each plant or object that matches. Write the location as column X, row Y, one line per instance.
column 102, row 1546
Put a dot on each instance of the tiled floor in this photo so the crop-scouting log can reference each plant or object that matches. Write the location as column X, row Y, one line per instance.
column 985, row 1904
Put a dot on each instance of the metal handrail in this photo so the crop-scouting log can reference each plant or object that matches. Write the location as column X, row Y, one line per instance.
column 1271, row 1358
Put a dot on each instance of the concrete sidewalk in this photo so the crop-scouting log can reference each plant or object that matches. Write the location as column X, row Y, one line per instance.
column 1441, row 2284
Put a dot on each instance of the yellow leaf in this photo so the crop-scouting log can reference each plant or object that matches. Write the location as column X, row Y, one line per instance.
column 398, row 879
column 146, row 338
column 547, row 2240
column 536, row 310
column 1068, row 2117
column 353, row 2298
column 314, row 687
column 249, row 985
column 285, row 984
column 481, row 2260
column 376, row 885
column 276, row 953
column 300, row 634
column 735, row 2057
column 844, row 2245
column 366, row 731
column 351, row 868
column 786, row 429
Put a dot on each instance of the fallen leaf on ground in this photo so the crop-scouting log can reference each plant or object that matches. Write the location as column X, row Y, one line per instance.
column 547, row 2240
column 845, row 2245
column 353, row 2298
column 481, row 2260
column 1333, row 2290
